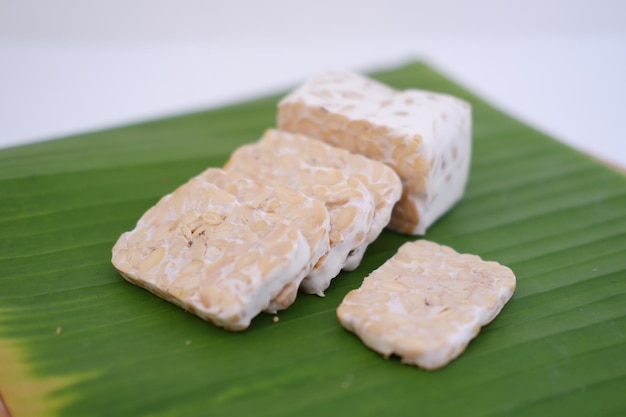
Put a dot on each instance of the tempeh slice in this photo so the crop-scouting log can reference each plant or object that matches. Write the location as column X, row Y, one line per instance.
column 424, row 136
column 349, row 203
column 426, row 303
column 204, row 251
column 307, row 214
column 380, row 180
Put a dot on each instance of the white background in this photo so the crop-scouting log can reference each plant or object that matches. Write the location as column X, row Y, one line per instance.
column 71, row 66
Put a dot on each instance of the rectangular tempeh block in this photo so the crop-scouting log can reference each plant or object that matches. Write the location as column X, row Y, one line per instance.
column 426, row 303
column 204, row 251
column 424, row 136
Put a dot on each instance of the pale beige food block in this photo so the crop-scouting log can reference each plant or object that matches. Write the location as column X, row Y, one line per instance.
column 203, row 250
column 349, row 203
column 307, row 214
column 424, row 136
column 426, row 303
column 382, row 182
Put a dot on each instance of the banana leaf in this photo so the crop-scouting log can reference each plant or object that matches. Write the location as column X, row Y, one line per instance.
column 77, row 340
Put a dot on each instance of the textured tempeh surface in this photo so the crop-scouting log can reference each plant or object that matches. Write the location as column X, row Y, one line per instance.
column 349, row 203
column 426, row 303
column 307, row 214
column 424, row 136
column 201, row 249
column 380, row 180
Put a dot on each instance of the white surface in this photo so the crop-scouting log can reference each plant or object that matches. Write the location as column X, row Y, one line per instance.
column 71, row 66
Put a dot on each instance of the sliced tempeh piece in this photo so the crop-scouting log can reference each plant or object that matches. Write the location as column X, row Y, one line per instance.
column 349, row 203
column 307, row 214
column 380, row 180
column 424, row 136
column 426, row 303
column 203, row 250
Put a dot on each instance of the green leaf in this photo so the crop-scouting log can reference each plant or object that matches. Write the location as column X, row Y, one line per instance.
column 76, row 339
